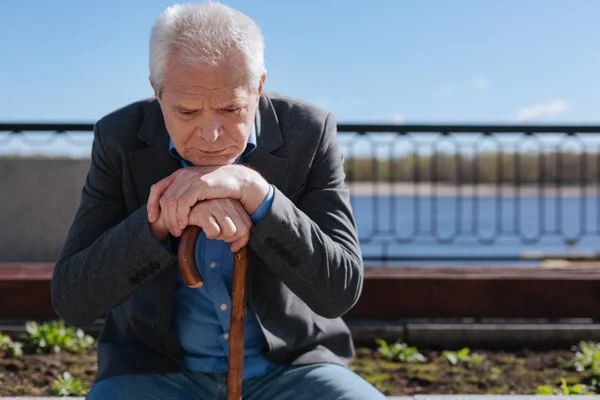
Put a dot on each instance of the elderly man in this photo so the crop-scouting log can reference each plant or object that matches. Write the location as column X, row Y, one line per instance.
column 251, row 169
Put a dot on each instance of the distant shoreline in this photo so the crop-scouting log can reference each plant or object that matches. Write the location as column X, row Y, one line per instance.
column 409, row 189
column 483, row 190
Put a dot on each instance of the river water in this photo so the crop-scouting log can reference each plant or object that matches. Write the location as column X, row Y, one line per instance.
column 431, row 228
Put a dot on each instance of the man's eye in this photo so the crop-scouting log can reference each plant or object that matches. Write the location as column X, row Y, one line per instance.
column 231, row 110
column 185, row 112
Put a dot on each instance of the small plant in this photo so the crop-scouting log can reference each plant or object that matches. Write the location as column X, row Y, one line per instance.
column 462, row 356
column 8, row 347
column 68, row 385
column 546, row 390
column 565, row 389
column 587, row 358
column 54, row 337
column 399, row 352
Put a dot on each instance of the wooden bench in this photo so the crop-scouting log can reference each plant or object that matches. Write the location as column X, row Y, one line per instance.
column 392, row 293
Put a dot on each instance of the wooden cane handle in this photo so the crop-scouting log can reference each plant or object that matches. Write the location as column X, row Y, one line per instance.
column 192, row 278
column 187, row 257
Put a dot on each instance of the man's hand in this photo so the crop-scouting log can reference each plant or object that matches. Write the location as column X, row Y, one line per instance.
column 159, row 228
column 223, row 219
column 220, row 219
column 175, row 195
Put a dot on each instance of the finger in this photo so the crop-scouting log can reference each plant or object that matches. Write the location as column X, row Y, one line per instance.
column 240, row 218
column 190, row 197
column 156, row 192
column 201, row 216
column 228, row 228
column 164, row 217
column 227, row 225
column 171, row 213
column 175, row 232
column 170, row 197
column 211, row 227
column 186, row 199
column 242, row 222
column 237, row 207
column 177, row 219
column 240, row 243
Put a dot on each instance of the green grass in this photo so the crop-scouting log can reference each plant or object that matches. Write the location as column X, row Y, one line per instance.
column 68, row 385
column 55, row 336
column 463, row 356
column 9, row 347
column 399, row 352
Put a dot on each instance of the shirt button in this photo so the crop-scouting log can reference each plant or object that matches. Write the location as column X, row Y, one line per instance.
column 223, row 306
column 226, row 336
column 213, row 264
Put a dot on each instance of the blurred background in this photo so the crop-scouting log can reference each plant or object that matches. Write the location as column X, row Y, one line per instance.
column 469, row 128
column 440, row 191
column 471, row 136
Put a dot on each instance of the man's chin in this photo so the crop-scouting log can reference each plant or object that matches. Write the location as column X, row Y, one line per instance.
column 219, row 161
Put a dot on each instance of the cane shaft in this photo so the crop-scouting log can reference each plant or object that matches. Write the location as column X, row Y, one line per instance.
column 236, row 330
column 192, row 278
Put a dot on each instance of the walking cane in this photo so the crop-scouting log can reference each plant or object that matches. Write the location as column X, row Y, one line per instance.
column 193, row 279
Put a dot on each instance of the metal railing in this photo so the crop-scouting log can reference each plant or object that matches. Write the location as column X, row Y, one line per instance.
column 445, row 193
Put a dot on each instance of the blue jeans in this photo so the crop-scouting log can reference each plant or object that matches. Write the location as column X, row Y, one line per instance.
column 304, row 382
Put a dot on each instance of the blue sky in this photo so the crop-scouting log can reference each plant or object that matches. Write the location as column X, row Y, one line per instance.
column 426, row 61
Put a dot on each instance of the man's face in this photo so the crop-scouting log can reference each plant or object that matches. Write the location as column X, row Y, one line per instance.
column 208, row 111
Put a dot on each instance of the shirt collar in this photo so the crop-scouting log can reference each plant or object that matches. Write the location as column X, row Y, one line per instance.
column 250, row 146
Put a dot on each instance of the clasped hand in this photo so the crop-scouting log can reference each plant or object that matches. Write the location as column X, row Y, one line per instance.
column 217, row 199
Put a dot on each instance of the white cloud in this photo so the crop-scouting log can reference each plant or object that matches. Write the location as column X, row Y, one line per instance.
column 537, row 111
column 322, row 102
column 445, row 91
column 398, row 118
column 481, row 83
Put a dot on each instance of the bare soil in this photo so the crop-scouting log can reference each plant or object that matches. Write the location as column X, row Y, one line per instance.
column 500, row 372
column 33, row 374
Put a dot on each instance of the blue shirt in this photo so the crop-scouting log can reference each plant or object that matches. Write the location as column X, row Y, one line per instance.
column 202, row 315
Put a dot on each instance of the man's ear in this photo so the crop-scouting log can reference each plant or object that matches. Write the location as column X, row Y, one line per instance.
column 263, row 78
column 156, row 92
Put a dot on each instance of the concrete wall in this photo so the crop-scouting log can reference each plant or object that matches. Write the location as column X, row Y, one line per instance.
column 38, row 199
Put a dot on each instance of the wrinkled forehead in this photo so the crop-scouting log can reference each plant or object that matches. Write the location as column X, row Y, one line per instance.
column 201, row 100
column 228, row 74
column 200, row 86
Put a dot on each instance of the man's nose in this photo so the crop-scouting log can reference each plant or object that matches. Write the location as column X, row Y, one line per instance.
column 210, row 131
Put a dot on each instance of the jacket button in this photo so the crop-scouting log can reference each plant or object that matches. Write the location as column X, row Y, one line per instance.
column 154, row 265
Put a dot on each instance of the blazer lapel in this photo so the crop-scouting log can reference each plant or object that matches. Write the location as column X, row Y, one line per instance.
column 153, row 163
column 265, row 161
column 269, row 139
column 149, row 166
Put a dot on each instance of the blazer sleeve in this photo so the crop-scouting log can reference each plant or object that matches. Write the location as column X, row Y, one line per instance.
column 107, row 254
column 313, row 246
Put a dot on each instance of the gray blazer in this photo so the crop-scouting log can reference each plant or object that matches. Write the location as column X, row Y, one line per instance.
column 305, row 264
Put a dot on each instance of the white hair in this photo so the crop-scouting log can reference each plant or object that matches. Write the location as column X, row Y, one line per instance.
column 205, row 33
